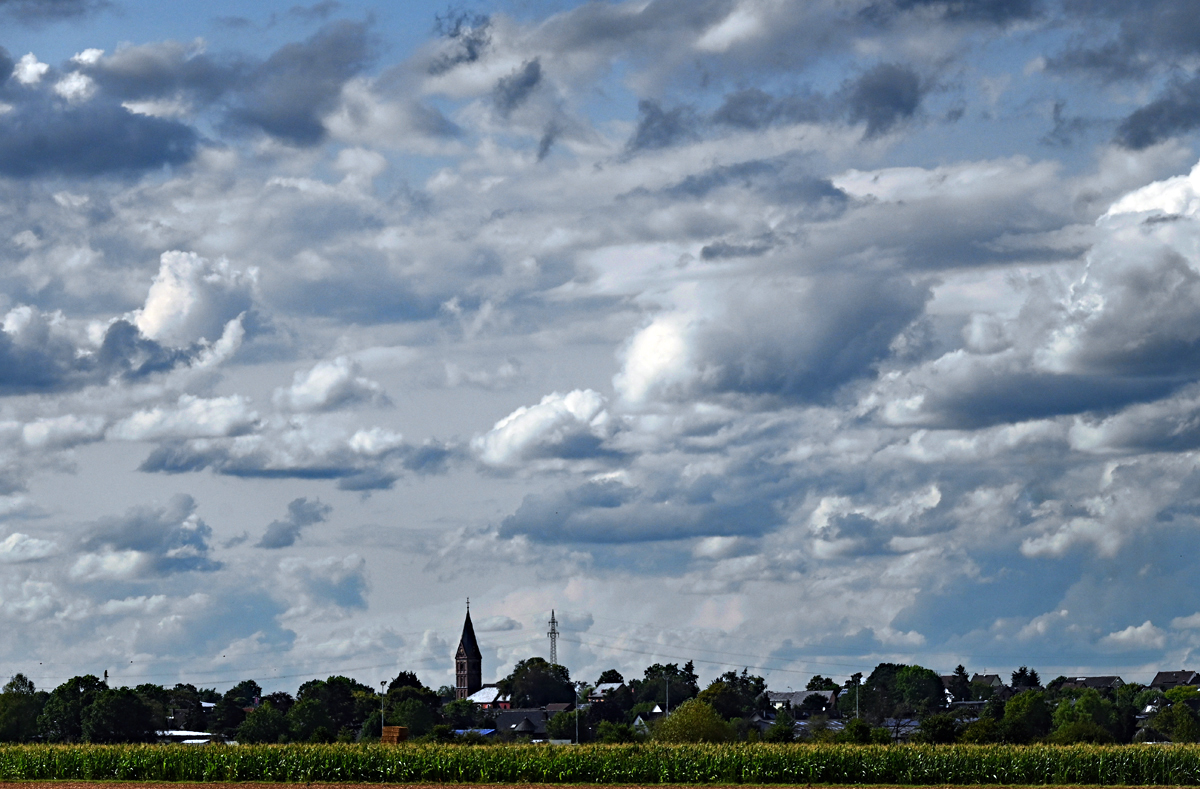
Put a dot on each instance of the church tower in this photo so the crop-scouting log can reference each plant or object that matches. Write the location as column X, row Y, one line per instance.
column 468, row 662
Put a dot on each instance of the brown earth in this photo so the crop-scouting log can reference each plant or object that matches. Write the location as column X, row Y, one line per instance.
column 263, row 785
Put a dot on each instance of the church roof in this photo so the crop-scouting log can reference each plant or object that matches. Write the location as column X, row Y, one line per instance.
column 467, row 643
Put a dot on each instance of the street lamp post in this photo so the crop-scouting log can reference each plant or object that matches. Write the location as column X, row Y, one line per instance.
column 382, row 706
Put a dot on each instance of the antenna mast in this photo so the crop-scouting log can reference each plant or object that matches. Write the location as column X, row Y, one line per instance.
column 553, row 639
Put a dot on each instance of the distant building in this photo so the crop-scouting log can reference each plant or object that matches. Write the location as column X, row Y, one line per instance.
column 489, row 697
column 991, row 680
column 1165, row 680
column 1095, row 683
column 468, row 661
column 598, row 693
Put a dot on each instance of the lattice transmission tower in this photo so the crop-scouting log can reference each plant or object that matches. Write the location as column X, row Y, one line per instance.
column 553, row 639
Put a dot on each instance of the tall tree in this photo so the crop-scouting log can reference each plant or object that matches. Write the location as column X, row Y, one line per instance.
column 20, row 705
column 117, row 715
column 1025, row 677
column 536, row 683
column 61, row 718
column 960, row 684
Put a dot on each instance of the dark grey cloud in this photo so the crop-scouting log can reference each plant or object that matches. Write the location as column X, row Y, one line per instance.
column 300, row 82
column 37, row 359
column 660, row 128
column 1175, row 111
column 169, row 69
column 172, row 539
column 40, row 11
column 996, row 12
column 43, row 137
column 884, row 96
column 469, row 36
column 612, row 512
column 512, row 91
column 1151, row 37
column 301, row 513
column 756, row 109
column 352, row 470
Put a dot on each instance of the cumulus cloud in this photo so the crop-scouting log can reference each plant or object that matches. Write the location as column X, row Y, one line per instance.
column 301, row 513
column 192, row 299
column 1135, row 637
column 18, row 547
column 562, row 426
column 146, row 542
column 330, row 385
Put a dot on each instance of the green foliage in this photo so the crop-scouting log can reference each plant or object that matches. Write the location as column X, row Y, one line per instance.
column 1178, row 722
column 682, row 682
column 309, row 722
column 735, row 695
column 231, row 709
column 960, row 684
column 61, row 719
column 980, row 732
column 1026, row 718
column 783, row 729
column 857, row 731
column 635, row 764
column 1078, row 731
column 1085, row 706
column 1182, row 693
column 693, row 721
column 612, row 733
column 117, row 715
column 462, row 714
column 938, row 730
column 563, row 726
column 919, row 690
column 821, row 683
column 1025, row 677
column 536, row 683
column 347, row 703
column 610, row 675
column 265, row 724
column 20, row 705
column 412, row 713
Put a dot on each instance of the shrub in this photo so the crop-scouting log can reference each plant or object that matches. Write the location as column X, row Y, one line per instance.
column 693, row 721
column 938, row 730
column 1081, row 731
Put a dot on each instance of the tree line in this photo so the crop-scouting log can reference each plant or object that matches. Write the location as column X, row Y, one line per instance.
column 734, row 706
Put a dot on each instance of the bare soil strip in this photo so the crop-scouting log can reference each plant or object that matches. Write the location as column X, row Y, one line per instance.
column 264, row 785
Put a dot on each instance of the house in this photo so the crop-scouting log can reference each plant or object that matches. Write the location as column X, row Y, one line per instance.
column 1108, row 683
column 186, row 737
column 991, row 680
column 558, row 707
column 526, row 721
column 489, row 697
column 1165, row 680
column 816, row 700
column 598, row 693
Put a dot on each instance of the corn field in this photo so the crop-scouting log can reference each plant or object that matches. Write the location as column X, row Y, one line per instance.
column 628, row 764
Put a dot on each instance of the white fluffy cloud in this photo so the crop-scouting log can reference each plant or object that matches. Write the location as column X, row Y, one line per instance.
column 330, row 385
column 562, row 426
column 192, row 299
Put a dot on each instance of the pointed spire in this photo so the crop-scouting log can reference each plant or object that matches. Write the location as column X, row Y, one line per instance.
column 467, row 643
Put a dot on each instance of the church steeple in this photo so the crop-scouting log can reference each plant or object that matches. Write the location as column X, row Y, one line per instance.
column 468, row 661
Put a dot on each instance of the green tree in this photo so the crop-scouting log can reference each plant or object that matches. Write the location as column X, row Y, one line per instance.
column 265, row 725
column 735, row 695
column 938, row 730
column 821, row 683
column 1178, row 722
column 682, row 684
column 61, row 718
column 1025, row 677
column 462, row 714
column 857, row 731
column 414, row 715
column 1026, row 718
column 918, row 690
column 231, row 709
column 20, row 706
column 347, row 703
column 563, row 726
column 610, row 732
column 1084, row 706
column 960, row 684
column 308, row 721
column 610, row 675
column 117, row 715
column 693, row 721
column 783, row 729
column 536, row 683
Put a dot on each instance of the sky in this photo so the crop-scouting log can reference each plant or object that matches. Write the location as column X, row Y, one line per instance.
column 796, row 336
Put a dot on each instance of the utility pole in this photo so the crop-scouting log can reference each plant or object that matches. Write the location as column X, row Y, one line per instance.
column 382, row 705
column 553, row 639
column 667, row 711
